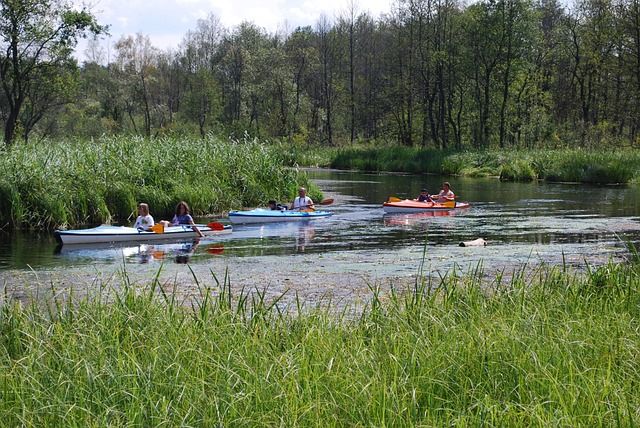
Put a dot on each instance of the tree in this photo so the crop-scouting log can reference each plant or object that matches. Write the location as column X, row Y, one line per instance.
column 200, row 60
column 486, row 31
column 46, row 92
column 326, row 47
column 38, row 36
column 137, row 59
column 300, row 56
column 348, row 21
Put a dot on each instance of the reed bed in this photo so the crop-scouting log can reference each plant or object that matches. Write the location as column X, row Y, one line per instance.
column 90, row 182
column 302, row 154
column 543, row 348
column 560, row 165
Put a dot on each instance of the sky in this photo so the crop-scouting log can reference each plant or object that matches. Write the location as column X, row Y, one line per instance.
column 167, row 21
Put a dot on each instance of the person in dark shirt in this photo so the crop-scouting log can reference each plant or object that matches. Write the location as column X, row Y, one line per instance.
column 424, row 196
column 182, row 216
column 274, row 206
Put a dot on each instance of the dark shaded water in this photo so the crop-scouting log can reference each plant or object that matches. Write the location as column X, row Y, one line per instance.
column 521, row 221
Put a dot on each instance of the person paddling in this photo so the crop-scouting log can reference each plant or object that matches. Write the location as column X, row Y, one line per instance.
column 302, row 201
column 446, row 194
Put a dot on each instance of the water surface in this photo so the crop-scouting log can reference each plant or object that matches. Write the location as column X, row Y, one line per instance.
column 522, row 223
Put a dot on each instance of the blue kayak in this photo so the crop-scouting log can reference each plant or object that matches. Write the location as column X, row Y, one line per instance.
column 261, row 215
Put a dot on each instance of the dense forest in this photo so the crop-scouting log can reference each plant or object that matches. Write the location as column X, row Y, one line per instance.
column 429, row 73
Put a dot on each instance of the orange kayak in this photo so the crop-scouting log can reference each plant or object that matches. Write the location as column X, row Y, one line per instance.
column 413, row 206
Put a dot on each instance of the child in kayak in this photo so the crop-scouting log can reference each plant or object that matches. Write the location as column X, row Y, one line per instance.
column 424, row 196
column 274, row 206
column 144, row 220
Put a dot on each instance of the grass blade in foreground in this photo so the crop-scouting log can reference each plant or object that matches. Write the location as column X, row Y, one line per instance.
column 557, row 350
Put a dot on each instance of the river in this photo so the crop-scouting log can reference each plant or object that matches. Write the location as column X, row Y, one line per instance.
column 359, row 247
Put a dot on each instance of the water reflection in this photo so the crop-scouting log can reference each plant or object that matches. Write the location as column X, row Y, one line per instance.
column 178, row 252
column 302, row 233
column 306, row 233
column 181, row 254
column 400, row 219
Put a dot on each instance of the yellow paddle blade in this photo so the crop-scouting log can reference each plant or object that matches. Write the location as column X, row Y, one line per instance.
column 393, row 199
column 158, row 228
column 449, row 204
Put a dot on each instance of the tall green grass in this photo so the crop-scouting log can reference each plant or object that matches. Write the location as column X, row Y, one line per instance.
column 390, row 158
column 79, row 182
column 543, row 348
column 594, row 166
column 301, row 154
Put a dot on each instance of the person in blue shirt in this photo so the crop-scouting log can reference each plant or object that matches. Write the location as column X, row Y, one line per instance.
column 182, row 216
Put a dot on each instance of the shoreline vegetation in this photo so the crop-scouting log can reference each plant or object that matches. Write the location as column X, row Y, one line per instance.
column 620, row 166
column 83, row 182
column 78, row 182
column 543, row 348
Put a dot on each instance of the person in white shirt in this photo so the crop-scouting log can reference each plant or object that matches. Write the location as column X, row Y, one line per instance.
column 302, row 201
column 144, row 220
column 446, row 194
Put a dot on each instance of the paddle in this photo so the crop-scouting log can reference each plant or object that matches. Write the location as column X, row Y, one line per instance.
column 214, row 225
column 309, row 208
column 393, row 199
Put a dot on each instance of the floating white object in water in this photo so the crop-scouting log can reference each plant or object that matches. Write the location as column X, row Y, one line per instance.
column 475, row 243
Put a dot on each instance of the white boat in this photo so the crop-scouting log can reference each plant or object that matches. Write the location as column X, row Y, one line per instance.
column 108, row 233
column 261, row 215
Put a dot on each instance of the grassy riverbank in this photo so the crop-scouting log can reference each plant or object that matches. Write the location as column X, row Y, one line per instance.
column 78, row 182
column 604, row 167
column 542, row 349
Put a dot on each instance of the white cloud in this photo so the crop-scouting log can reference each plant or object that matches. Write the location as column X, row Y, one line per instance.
column 167, row 21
